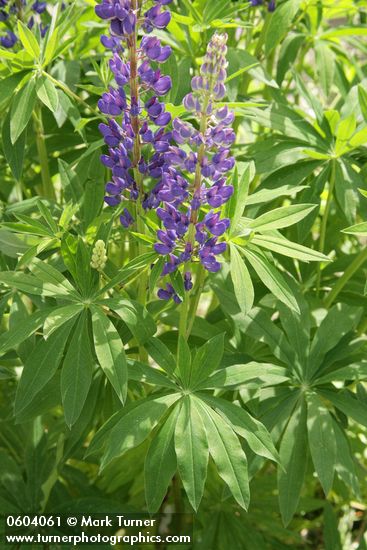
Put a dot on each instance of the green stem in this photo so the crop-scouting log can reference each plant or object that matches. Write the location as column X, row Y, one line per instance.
column 325, row 220
column 47, row 186
column 348, row 273
column 70, row 93
column 134, row 94
column 201, row 276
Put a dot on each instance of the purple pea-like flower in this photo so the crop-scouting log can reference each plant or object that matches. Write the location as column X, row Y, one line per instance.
column 8, row 40
column 198, row 177
column 135, row 131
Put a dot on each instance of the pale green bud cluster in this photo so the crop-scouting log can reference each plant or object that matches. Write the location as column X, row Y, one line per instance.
column 99, row 256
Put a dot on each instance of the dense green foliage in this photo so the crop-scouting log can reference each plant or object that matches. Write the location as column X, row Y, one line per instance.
column 254, row 416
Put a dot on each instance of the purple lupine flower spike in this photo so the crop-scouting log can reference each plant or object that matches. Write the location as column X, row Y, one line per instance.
column 206, row 155
column 137, row 119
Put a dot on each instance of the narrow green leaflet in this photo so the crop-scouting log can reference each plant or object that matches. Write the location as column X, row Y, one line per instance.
column 345, row 401
column 130, row 269
column 293, row 457
column 321, row 440
column 21, row 110
column 271, row 277
column 341, row 319
column 9, row 85
column 134, row 427
column 59, row 316
column 238, row 200
column 259, row 326
column 283, row 246
column 192, row 450
column 139, row 321
column 207, row 359
column 54, row 281
column 14, row 153
column 40, row 366
column 279, row 23
column 29, row 40
column 77, row 371
column 161, row 354
column 255, row 433
column 160, row 463
column 345, row 463
column 47, row 93
column 110, row 351
column 227, row 453
column 145, row 373
column 252, row 374
column 281, row 217
column 242, row 284
column 12, row 338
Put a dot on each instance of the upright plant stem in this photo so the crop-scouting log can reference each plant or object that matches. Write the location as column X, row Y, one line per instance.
column 140, row 226
column 325, row 220
column 47, row 186
column 185, row 307
column 348, row 273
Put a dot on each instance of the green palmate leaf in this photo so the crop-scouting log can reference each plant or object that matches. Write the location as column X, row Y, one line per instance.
column 279, row 23
column 293, row 457
column 227, row 453
column 345, row 401
column 207, row 359
column 321, row 441
column 47, row 93
column 29, row 40
column 160, row 463
column 281, row 217
column 255, row 433
column 192, row 450
column 135, row 426
column 77, row 370
column 271, row 278
column 110, row 352
column 283, row 246
column 59, row 316
column 23, row 330
column 242, row 284
column 21, row 110
column 137, row 318
column 251, row 374
column 14, row 153
column 40, row 367
column 161, row 354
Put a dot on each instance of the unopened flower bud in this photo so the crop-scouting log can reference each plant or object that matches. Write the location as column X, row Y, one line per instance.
column 99, row 256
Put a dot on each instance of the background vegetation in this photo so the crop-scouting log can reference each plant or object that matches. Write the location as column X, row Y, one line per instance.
column 288, row 308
